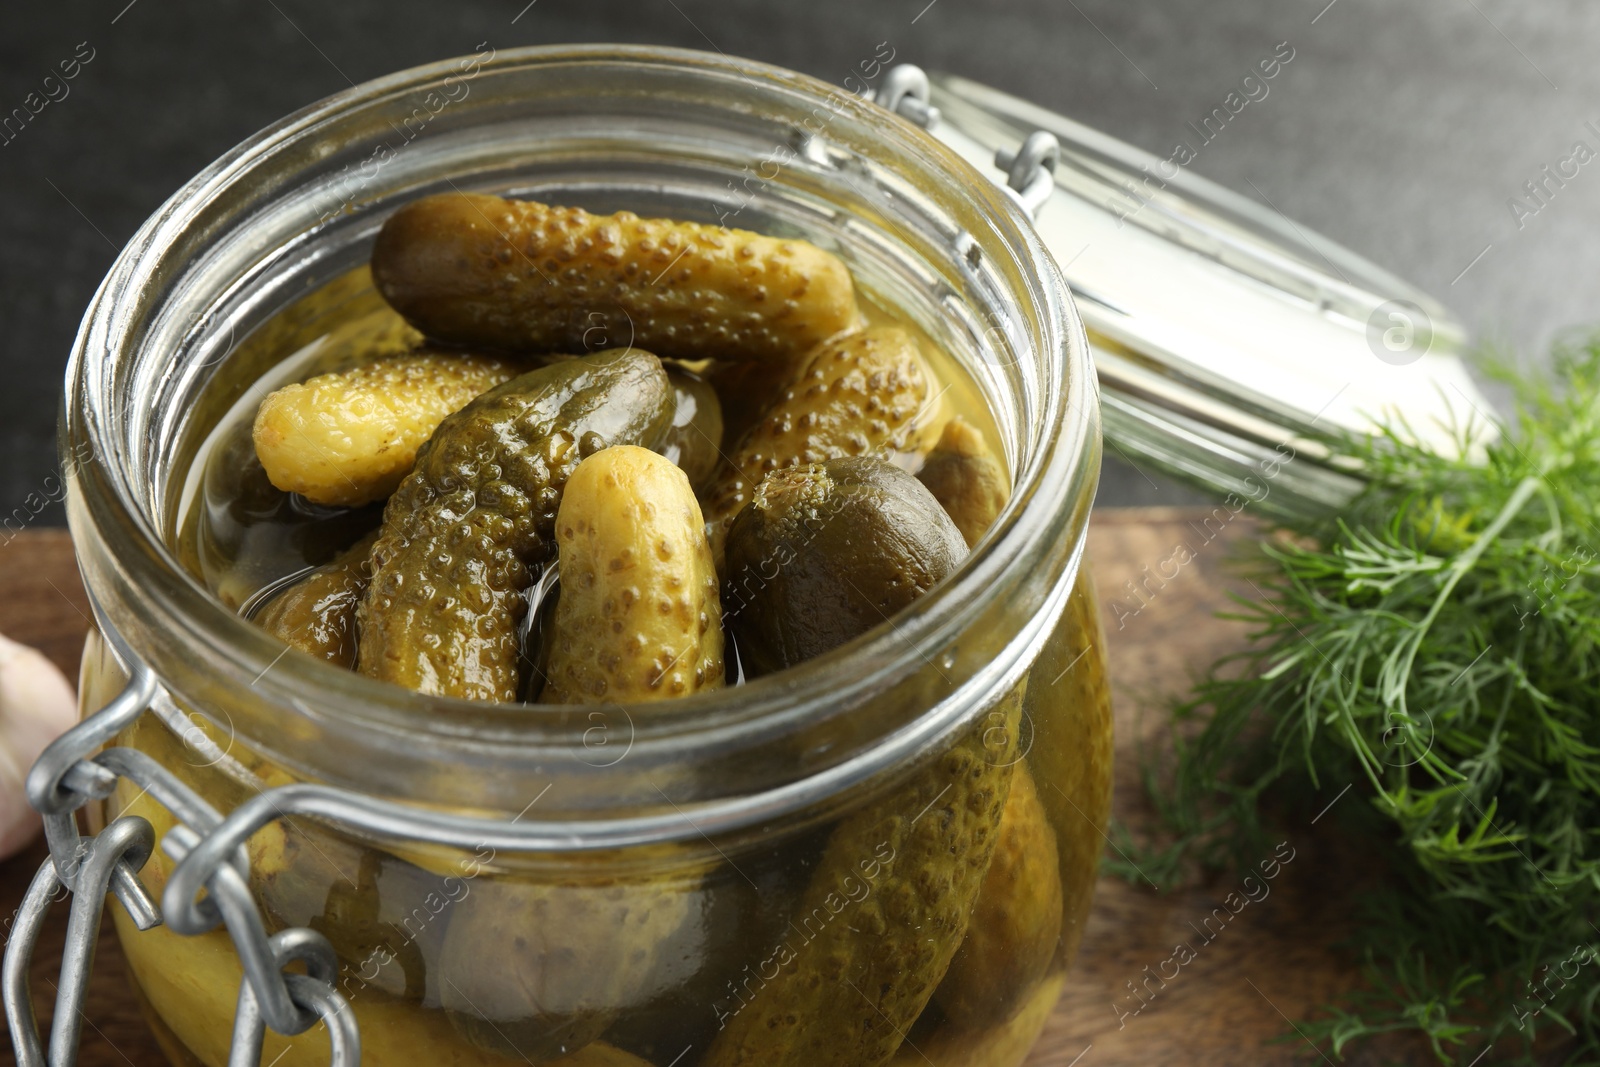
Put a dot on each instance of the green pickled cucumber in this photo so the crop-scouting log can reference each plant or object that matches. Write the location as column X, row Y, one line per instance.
column 897, row 883
column 867, row 393
column 317, row 614
column 695, row 440
column 744, row 908
column 1017, row 924
column 825, row 552
column 883, row 916
column 515, row 274
column 477, row 512
column 539, row 971
column 966, row 479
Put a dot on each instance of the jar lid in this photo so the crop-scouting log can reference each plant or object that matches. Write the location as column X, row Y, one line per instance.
column 1225, row 334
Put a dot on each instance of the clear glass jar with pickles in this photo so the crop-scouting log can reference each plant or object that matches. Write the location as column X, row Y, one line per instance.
column 673, row 470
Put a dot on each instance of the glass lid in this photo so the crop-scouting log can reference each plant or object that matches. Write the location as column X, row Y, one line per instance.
column 1225, row 334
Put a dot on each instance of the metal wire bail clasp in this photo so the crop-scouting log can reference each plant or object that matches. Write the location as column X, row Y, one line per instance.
column 66, row 777
column 126, row 843
column 60, row 782
column 1030, row 169
column 905, row 91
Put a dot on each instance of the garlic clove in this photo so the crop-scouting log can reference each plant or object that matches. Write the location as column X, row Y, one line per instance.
column 37, row 705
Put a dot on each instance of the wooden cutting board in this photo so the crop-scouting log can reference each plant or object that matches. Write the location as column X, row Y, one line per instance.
column 1132, row 998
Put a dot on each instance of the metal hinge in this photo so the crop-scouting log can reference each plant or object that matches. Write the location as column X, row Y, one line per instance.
column 1030, row 168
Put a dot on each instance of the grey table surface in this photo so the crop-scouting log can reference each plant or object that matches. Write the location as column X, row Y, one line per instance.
column 1402, row 130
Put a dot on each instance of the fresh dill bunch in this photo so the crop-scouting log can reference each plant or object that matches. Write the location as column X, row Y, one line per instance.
column 1435, row 644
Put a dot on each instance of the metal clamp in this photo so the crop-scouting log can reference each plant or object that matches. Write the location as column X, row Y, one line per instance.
column 1031, row 169
column 312, row 995
column 127, row 841
column 69, row 775
column 906, row 92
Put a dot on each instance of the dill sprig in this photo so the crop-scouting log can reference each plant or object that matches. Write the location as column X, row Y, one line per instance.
column 1435, row 644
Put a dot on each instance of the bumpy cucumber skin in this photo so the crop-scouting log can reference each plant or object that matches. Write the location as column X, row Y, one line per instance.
column 695, row 440
column 864, row 394
column 639, row 617
column 1012, row 939
column 461, row 532
column 514, row 274
column 896, row 885
column 317, row 614
column 1072, row 754
column 827, row 551
column 349, row 437
column 966, row 479
column 895, row 888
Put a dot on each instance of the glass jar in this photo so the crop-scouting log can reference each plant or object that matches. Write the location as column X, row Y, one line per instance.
column 795, row 870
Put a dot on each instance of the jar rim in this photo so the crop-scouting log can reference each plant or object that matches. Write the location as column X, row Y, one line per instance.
column 157, row 609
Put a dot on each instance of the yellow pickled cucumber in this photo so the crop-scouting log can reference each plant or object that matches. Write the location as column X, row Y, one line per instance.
column 514, row 274
column 349, row 437
column 1071, row 754
column 867, row 393
column 966, row 479
column 639, row 617
column 1005, row 1044
column 695, row 440
column 317, row 614
column 460, row 534
column 1012, row 939
column 540, row 970
column 883, row 915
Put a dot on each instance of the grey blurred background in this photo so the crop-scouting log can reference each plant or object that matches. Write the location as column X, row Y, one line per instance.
column 1402, row 130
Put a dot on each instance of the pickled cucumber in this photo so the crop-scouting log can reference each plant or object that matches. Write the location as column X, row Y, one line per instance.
column 243, row 533
column 600, row 1054
column 966, row 479
column 695, row 440
column 349, row 437
column 639, row 618
column 513, row 274
column 882, row 918
column 749, row 389
column 539, row 971
column 1002, row 1045
column 744, row 908
column 1071, row 755
column 460, row 534
column 867, row 393
column 317, row 614
column 1012, row 939
column 384, row 917
column 827, row 551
